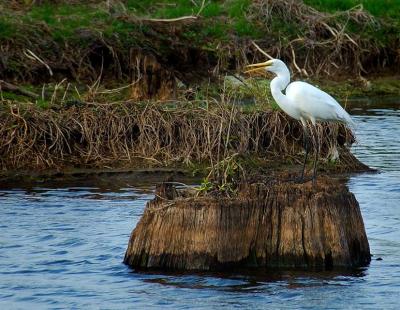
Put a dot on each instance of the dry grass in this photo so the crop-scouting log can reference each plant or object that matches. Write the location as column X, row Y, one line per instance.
column 120, row 134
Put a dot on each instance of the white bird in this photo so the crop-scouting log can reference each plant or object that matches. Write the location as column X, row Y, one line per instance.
column 302, row 101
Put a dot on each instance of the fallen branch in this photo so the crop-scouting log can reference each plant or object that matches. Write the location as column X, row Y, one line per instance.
column 15, row 89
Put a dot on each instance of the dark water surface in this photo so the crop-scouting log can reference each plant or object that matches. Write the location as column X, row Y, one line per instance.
column 62, row 246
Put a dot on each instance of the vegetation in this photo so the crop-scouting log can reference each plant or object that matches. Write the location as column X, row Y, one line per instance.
column 144, row 82
column 220, row 138
column 75, row 38
column 382, row 8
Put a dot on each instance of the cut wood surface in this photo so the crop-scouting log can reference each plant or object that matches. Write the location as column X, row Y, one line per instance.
column 282, row 225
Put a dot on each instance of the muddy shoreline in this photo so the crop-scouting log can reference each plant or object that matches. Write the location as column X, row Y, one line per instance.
column 154, row 136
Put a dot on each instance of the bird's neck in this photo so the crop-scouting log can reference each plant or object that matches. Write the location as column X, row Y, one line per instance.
column 281, row 80
column 278, row 84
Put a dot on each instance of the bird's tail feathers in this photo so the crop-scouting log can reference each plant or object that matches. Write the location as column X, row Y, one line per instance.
column 348, row 120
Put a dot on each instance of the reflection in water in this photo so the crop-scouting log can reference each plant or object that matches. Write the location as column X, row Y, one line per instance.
column 62, row 244
column 247, row 280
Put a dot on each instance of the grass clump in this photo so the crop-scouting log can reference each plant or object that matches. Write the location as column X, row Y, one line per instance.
column 94, row 134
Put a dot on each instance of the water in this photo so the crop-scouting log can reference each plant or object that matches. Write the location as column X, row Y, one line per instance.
column 61, row 246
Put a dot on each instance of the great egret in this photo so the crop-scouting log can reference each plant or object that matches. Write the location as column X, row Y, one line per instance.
column 302, row 101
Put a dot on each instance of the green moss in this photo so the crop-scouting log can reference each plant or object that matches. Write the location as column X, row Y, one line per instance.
column 237, row 8
column 139, row 5
column 123, row 30
column 245, row 28
column 285, row 30
column 64, row 19
column 7, row 28
column 214, row 29
column 5, row 95
column 212, row 9
column 381, row 8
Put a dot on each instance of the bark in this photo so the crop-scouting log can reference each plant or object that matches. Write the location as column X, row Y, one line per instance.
column 282, row 225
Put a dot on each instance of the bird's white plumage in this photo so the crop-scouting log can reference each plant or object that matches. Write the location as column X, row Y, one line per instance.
column 301, row 100
column 314, row 104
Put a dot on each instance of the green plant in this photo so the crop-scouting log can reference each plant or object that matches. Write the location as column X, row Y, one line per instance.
column 224, row 176
column 42, row 103
column 205, row 186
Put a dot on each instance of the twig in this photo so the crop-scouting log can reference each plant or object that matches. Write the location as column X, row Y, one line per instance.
column 169, row 20
column 294, row 60
column 28, row 53
column 261, row 51
column 115, row 90
column 201, row 7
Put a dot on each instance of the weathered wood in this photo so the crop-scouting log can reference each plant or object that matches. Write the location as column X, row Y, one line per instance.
column 283, row 225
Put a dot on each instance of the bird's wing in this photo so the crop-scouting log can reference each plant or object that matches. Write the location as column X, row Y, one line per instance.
column 315, row 103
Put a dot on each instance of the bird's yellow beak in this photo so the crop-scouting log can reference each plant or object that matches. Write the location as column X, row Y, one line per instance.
column 258, row 66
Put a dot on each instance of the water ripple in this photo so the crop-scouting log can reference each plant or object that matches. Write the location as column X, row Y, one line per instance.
column 62, row 246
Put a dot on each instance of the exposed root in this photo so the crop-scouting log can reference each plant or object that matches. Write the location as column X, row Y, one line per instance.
column 326, row 44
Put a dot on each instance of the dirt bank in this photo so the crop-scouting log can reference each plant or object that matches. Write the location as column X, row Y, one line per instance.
column 120, row 41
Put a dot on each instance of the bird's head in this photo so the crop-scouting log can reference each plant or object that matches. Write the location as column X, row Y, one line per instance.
column 274, row 65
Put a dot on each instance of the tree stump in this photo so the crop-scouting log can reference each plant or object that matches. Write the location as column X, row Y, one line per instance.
column 281, row 225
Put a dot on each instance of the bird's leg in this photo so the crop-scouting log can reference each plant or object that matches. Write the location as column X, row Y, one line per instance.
column 315, row 166
column 306, row 148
